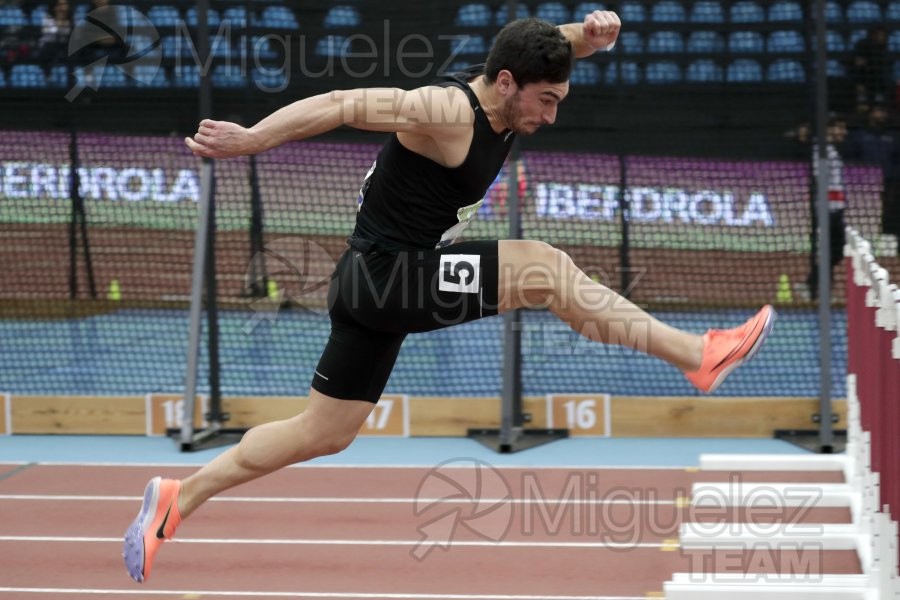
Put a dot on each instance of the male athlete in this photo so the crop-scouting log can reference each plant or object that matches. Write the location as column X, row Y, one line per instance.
column 402, row 273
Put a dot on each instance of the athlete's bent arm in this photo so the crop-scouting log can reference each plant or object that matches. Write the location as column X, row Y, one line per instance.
column 424, row 111
column 599, row 31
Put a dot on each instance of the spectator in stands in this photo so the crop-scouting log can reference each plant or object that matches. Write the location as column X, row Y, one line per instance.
column 872, row 143
column 403, row 271
column 97, row 46
column 56, row 28
column 836, row 133
column 14, row 43
column 870, row 69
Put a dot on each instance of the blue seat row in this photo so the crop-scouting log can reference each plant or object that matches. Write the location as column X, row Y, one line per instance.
column 110, row 76
column 701, row 42
column 675, row 11
column 272, row 16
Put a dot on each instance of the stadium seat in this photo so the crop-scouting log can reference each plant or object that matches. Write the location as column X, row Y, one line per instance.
column 521, row 13
column 173, row 47
column 586, row 8
column 631, row 42
column 164, row 16
column 12, row 16
column 186, row 76
column 668, row 11
column 707, row 11
column 332, row 45
column 58, row 77
column 631, row 12
column 746, row 11
column 269, row 80
column 279, row 17
column 227, row 76
column 627, row 72
column 744, row 70
column 863, row 11
column 113, row 77
column 700, row 42
column 555, row 12
column 212, row 17
column 834, row 41
column 746, row 41
column 585, row 73
column 236, row 17
column 666, row 71
column 473, row 15
column 79, row 12
column 343, row 16
column 834, row 68
column 150, row 76
column 27, row 76
column 786, row 70
column 457, row 66
column 467, row 45
column 703, row 71
column 785, row 42
column 262, row 47
column 37, row 15
column 893, row 43
column 855, row 36
column 220, row 46
column 893, row 11
column 833, row 12
column 660, row 42
column 786, row 11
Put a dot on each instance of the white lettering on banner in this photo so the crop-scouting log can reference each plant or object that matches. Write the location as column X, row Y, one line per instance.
column 591, row 202
column 14, row 180
column 132, row 183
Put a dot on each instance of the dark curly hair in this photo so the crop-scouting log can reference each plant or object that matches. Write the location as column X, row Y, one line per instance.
column 532, row 50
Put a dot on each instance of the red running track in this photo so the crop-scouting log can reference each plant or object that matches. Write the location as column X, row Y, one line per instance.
column 386, row 533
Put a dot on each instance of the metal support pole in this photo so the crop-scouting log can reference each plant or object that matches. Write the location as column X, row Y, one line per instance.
column 195, row 326
column 826, row 431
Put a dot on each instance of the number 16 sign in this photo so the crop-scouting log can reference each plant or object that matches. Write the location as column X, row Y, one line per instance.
column 581, row 414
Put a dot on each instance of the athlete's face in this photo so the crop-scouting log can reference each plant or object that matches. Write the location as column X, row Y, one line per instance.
column 533, row 105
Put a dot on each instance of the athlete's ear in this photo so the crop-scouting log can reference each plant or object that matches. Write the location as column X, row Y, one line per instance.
column 506, row 83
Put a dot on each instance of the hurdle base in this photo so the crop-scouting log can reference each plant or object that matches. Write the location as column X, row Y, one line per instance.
column 205, row 439
column 518, row 440
column 808, row 439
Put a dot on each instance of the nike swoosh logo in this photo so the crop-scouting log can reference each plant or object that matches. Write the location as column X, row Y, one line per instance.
column 160, row 533
column 736, row 349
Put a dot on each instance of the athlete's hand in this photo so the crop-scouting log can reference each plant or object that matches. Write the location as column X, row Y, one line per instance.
column 601, row 29
column 221, row 139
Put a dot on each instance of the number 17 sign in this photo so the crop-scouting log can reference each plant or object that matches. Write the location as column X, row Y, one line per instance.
column 581, row 414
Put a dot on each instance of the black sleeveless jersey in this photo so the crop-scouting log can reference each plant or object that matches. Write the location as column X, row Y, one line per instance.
column 409, row 201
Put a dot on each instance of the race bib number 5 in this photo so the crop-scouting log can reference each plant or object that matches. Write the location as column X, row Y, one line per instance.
column 460, row 273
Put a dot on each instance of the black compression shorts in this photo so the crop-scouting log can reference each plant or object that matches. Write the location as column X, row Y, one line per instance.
column 376, row 298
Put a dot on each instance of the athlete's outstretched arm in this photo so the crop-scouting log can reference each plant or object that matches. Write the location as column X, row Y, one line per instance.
column 424, row 111
column 599, row 31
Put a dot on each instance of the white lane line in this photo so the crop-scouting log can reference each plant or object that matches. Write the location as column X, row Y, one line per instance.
column 339, row 542
column 346, row 595
column 617, row 499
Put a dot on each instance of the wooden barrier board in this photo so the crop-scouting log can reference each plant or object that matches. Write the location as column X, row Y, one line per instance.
column 400, row 416
column 5, row 420
column 115, row 415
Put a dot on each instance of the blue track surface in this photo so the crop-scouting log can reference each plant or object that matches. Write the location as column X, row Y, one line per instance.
column 140, row 351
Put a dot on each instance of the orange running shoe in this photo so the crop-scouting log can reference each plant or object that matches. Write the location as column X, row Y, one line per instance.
column 154, row 524
column 726, row 350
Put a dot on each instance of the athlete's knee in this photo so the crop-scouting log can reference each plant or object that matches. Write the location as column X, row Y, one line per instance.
column 337, row 442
